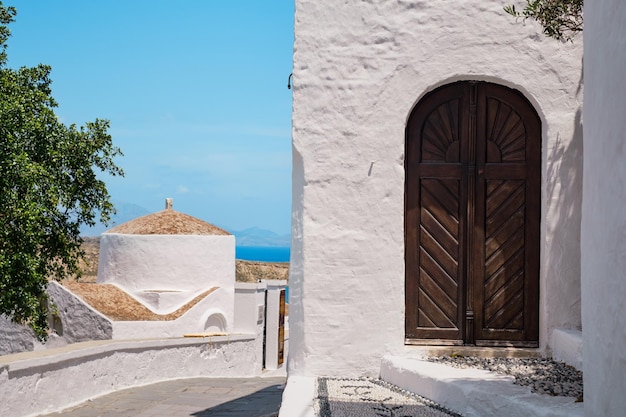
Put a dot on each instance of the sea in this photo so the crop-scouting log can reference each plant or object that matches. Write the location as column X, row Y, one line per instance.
column 262, row 253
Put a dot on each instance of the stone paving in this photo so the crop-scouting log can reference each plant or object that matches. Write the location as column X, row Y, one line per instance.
column 197, row 397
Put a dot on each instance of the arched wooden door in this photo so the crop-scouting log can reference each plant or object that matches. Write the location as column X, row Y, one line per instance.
column 472, row 216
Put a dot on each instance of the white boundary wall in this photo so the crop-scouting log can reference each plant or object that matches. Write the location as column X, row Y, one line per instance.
column 33, row 383
column 604, row 209
column 359, row 69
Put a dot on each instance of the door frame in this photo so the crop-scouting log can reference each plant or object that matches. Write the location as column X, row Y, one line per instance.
column 467, row 330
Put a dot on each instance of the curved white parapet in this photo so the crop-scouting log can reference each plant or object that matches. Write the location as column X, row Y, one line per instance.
column 44, row 382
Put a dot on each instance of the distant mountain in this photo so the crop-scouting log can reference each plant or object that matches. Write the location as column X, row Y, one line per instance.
column 125, row 212
column 255, row 236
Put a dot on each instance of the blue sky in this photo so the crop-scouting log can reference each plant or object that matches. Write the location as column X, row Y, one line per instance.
column 196, row 92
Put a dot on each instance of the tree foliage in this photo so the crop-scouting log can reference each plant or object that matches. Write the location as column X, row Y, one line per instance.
column 561, row 19
column 49, row 187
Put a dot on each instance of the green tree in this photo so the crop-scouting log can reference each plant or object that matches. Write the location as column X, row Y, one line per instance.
column 49, row 187
column 561, row 19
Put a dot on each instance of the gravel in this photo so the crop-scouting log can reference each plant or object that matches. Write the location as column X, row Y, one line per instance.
column 544, row 376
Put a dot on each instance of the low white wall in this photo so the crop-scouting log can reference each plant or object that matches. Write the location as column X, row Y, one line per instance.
column 249, row 306
column 80, row 322
column 15, row 338
column 187, row 263
column 44, row 382
column 604, row 207
column 77, row 322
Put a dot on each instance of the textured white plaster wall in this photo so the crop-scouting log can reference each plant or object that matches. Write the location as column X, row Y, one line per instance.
column 359, row 68
column 79, row 322
column 15, row 338
column 567, row 346
column 35, row 384
column 249, row 306
column 187, row 263
column 604, row 209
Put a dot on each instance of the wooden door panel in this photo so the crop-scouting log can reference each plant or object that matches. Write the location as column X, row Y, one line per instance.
column 473, row 154
column 437, row 301
column 497, row 234
column 440, row 138
column 505, row 133
column 505, row 304
column 442, row 209
column 429, row 244
column 509, row 182
column 434, row 219
column 445, row 282
column 499, row 278
column 445, row 234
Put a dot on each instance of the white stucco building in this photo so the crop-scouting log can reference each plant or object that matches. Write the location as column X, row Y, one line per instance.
column 603, row 229
column 438, row 187
column 165, row 260
column 448, row 108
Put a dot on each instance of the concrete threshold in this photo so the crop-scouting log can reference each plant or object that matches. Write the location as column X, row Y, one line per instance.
column 473, row 392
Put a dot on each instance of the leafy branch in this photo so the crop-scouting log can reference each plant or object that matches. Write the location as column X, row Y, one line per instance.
column 560, row 19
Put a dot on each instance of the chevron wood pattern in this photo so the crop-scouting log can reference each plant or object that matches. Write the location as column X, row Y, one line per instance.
column 438, row 254
column 473, row 153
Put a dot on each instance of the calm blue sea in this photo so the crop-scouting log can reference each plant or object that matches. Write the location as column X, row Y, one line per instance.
column 262, row 253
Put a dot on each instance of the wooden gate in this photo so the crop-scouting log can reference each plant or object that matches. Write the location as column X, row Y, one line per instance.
column 472, row 216
column 281, row 328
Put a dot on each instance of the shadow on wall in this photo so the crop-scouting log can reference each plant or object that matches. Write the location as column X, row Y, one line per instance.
column 564, row 194
column 216, row 322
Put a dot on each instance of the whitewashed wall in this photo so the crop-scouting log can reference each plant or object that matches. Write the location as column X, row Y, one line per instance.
column 359, row 69
column 249, row 307
column 154, row 267
column 78, row 322
column 604, row 209
column 216, row 310
column 46, row 382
